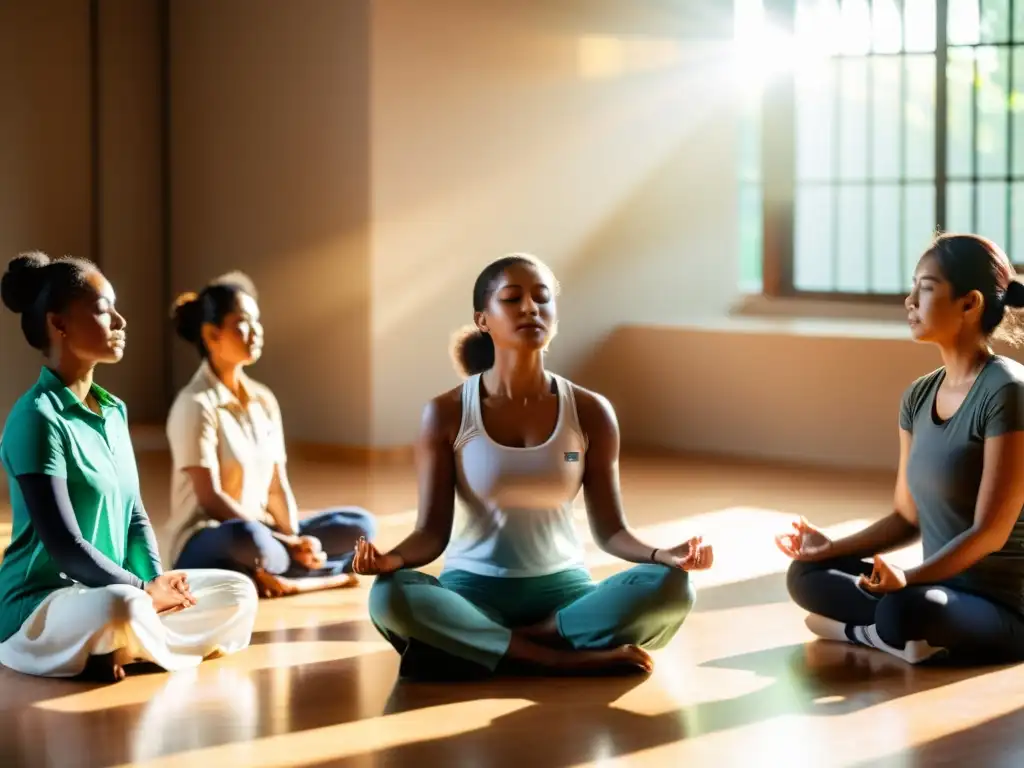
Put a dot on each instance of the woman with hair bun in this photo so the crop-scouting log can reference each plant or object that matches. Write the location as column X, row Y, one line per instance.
column 959, row 485
column 231, row 503
column 82, row 590
column 516, row 444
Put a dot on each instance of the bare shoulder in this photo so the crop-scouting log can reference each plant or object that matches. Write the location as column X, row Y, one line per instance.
column 442, row 416
column 594, row 410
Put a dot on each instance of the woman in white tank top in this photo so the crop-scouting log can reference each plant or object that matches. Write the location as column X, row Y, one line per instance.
column 516, row 444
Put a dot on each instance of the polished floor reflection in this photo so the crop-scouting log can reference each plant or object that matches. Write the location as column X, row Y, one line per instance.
column 743, row 684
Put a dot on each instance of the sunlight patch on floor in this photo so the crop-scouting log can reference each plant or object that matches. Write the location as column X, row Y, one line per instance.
column 318, row 745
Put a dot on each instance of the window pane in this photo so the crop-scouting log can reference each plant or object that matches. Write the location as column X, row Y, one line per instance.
column 855, row 18
column 812, row 263
column 854, row 239
column 750, row 144
column 886, row 272
column 853, row 116
column 750, row 237
column 885, row 107
column 992, row 85
column 886, row 26
column 919, row 227
column 995, row 21
column 959, row 207
column 960, row 78
column 1015, row 245
column 1017, row 106
column 992, row 211
column 964, row 22
column 919, row 25
column 815, row 123
column 1018, row 21
column 920, row 117
column 818, row 24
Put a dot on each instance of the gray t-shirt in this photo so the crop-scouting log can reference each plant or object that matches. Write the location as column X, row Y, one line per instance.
column 944, row 470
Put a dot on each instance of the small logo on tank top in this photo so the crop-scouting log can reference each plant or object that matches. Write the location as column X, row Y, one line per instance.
column 572, row 456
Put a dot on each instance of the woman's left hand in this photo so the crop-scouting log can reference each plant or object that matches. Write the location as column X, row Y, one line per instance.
column 884, row 578
column 308, row 552
column 692, row 555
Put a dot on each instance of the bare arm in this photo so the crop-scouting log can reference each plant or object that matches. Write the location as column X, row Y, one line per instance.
column 895, row 530
column 1000, row 500
column 282, row 504
column 601, row 481
column 435, row 461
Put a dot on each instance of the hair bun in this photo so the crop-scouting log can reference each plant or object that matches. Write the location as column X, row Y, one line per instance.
column 1014, row 296
column 23, row 280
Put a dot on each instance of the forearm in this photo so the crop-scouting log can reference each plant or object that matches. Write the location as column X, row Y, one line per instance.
column 222, row 508
column 53, row 518
column 419, row 548
column 143, row 550
column 624, row 545
column 957, row 556
column 891, row 532
column 283, row 508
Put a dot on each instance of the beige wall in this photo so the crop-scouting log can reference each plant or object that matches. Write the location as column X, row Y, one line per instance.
column 595, row 135
column 269, row 173
column 46, row 171
column 363, row 160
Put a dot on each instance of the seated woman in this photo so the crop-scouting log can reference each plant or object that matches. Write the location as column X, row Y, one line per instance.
column 959, row 485
column 516, row 443
column 231, row 503
column 82, row 591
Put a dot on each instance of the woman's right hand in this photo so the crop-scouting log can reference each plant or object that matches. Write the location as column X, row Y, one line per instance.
column 170, row 592
column 806, row 543
column 369, row 561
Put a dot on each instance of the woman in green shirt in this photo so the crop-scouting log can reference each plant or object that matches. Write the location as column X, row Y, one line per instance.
column 82, row 590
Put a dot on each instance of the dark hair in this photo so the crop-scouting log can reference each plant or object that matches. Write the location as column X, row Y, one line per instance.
column 191, row 311
column 34, row 285
column 473, row 350
column 975, row 263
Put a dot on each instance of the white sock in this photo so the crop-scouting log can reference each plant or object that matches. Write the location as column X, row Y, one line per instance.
column 826, row 628
column 914, row 652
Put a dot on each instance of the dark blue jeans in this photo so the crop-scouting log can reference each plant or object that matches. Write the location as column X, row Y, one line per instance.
column 245, row 545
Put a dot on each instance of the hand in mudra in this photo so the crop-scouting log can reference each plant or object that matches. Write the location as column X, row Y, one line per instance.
column 806, row 543
column 308, row 552
column 884, row 578
column 170, row 592
column 370, row 562
column 692, row 555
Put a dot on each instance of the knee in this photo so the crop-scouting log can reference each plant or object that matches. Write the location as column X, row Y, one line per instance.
column 912, row 614
column 676, row 593
column 389, row 600
column 238, row 588
column 365, row 521
column 245, row 543
column 797, row 582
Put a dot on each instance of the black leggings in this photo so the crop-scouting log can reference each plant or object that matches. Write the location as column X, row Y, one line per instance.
column 966, row 625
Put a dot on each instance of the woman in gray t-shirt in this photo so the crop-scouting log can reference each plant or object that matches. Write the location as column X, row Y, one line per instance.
column 960, row 485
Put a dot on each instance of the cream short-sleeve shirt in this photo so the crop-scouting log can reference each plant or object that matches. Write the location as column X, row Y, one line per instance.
column 240, row 444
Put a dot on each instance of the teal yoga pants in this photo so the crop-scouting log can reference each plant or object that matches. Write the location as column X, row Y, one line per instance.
column 459, row 626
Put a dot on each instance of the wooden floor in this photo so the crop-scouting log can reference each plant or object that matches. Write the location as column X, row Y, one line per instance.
column 741, row 685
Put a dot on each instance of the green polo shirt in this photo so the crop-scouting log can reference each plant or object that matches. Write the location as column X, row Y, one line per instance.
column 50, row 431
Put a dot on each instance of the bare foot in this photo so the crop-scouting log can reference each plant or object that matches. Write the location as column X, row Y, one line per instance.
column 269, row 585
column 103, row 669
column 626, row 659
column 525, row 652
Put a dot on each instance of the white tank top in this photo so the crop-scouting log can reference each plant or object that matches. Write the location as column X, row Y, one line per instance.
column 516, row 517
